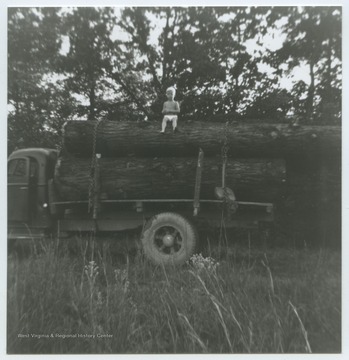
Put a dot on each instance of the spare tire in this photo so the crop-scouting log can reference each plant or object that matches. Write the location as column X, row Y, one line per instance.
column 169, row 239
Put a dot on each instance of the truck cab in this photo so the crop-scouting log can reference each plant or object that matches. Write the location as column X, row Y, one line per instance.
column 28, row 173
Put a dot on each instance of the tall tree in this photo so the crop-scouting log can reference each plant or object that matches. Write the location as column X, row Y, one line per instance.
column 199, row 51
column 33, row 44
column 330, row 69
column 241, row 25
column 314, row 40
column 88, row 60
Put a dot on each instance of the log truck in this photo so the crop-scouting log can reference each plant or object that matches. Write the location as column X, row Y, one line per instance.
column 169, row 234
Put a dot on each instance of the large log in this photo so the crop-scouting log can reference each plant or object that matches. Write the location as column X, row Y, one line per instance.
column 309, row 210
column 117, row 138
column 146, row 178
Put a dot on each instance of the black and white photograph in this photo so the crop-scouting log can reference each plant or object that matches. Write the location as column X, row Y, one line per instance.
column 174, row 179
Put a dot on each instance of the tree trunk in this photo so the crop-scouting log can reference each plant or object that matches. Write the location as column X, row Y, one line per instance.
column 166, row 47
column 311, row 90
column 130, row 92
column 119, row 138
column 146, row 178
column 92, row 106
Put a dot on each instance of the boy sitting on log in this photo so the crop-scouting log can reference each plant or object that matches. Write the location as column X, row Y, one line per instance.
column 170, row 110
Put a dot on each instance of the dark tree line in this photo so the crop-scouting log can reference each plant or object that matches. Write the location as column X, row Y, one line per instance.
column 116, row 64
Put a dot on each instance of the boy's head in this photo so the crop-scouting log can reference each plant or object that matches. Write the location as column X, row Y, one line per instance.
column 170, row 93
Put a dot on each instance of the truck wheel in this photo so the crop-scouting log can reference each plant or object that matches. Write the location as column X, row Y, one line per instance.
column 169, row 238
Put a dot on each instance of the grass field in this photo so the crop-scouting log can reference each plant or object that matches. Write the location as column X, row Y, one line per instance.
column 232, row 299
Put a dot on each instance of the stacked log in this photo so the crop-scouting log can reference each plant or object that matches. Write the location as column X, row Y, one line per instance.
column 310, row 209
column 149, row 178
column 296, row 167
column 117, row 138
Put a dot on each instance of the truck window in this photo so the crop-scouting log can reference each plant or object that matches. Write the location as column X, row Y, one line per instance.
column 17, row 167
column 11, row 167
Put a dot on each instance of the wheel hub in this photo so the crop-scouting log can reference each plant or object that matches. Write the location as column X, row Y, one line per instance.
column 168, row 240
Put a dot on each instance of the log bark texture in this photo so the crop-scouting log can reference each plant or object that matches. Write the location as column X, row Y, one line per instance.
column 117, row 138
column 309, row 210
column 149, row 178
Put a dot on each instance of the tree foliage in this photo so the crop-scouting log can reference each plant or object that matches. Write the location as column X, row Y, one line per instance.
column 117, row 63
column 314, row 40
column 33, row 45
column 87, row 63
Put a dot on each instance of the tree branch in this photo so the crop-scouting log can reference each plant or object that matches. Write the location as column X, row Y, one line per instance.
column 130, row 93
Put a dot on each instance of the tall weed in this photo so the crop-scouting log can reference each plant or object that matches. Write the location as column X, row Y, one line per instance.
column 249, row 301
